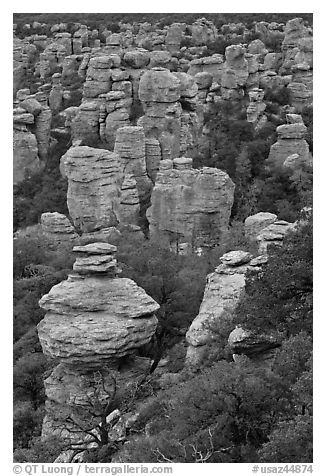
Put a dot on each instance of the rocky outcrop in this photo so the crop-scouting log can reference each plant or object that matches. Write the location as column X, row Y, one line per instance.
column 94, row 325
column 174, row 36
column 260, row 348
column 224, row 289
column 254, row 224
column 56, row 94
column 159, row 92
column 213, row 65
column 94, row 186
column 273, row 234
column 189, row 205
column 297, row 49
column 235, row 73
column 32, row 125
column 58, row 230
column 203, row 32
column 25, row 155
column 290, row 140
column 265, row 229
column 256, row 108
column 130, row 147
column 129, row 209
column 43, row 126
column 85, row 122
column 152, row 156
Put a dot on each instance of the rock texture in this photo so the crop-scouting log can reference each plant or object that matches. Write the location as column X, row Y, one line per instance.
column 254, row 224
column 256, row 108
column 130, row 147
column 290, row 140
column 25, row 155
column 94, row 184
column 159, row 92
column 93, row 320
column 260, row 348
column 235, row 72
column 273, row 234
column 223, row 291
column 58, row 229
column 189, row 205
column 32, row 124
column 265, row 229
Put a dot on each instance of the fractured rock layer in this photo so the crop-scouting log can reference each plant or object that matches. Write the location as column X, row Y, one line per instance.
column 189, row 205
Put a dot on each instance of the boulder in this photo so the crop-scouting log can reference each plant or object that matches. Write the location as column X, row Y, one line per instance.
column 254, row 224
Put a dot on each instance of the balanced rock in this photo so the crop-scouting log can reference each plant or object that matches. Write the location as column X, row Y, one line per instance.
column 95, row 317
column 94, row 325
column 260, row 348
column 290, row 140
column 254, row 224
column 273, row 234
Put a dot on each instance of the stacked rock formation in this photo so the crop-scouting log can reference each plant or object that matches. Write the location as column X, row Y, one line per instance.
column 210, row 64
column 43, row 126
column 159, row 92
column 58, row 230
column 130, row 147
column 32, row 122
column 94, row 187
column 297, row 50
column 191, row 119
column 153, row 157
column 56, row 94
column 203, row 31
column 94, row 325
column 174, row 36
column 273, row 234
column 224, row 289
column 189, row 205
column 129, row 208
column 256, row 108
column 236, row 72
column 290, row 140
column 25, row 150
column 254, row 224
column 265, row 229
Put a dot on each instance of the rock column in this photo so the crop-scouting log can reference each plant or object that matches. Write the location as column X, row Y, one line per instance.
column 95, row 323
column 190, row 206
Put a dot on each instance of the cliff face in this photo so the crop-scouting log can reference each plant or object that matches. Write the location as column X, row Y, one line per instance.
column 189, row 205
column 94, row 322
